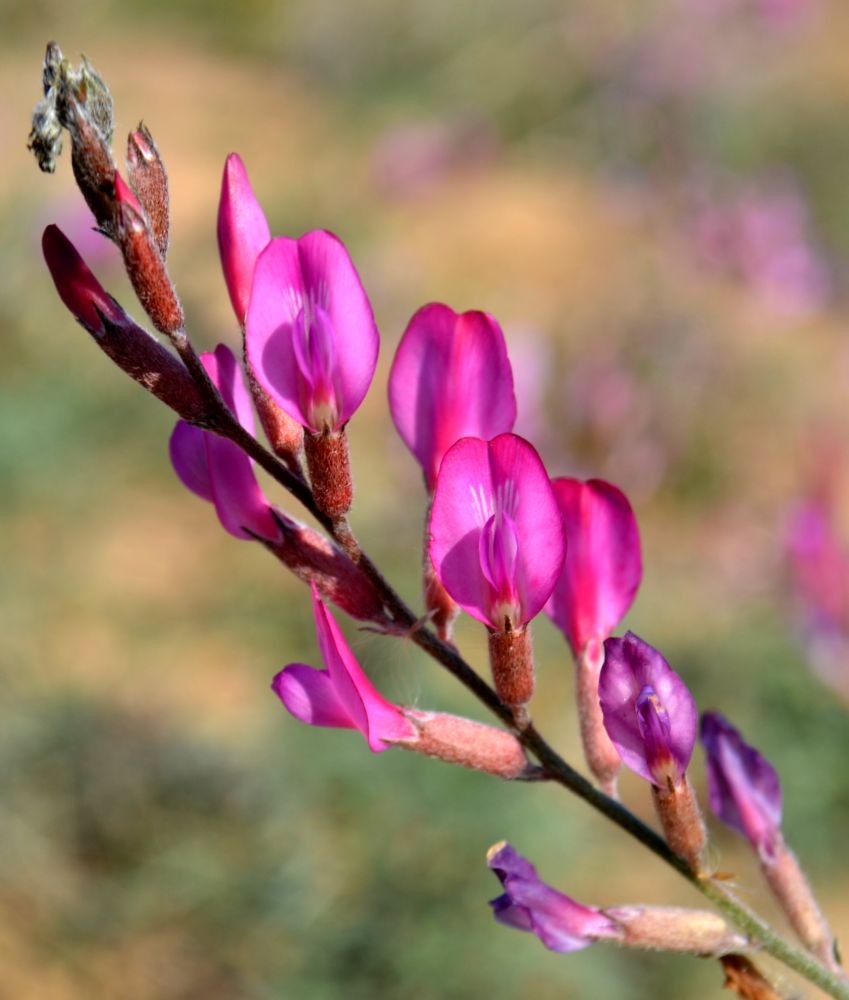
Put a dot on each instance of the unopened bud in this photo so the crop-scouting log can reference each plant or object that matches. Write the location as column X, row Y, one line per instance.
column 663, row 928
column 601, row 755
column 144, row 263
column 284, row 433
column 133, row 349
column 316, row 560
column 679, row 814
column 511, row 658
column 93, row 166
column 330, row 471
column 796, row 898
column 467, row 743
column 150, row 182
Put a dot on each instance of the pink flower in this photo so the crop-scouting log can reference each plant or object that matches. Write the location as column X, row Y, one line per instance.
column 243, row 233
column 216, row 469
column 340, row 696
column 649, row 714
column 603, row 565
column 497, row 538
column 529, row 904
column 743, row 786
column 450, row 379
column 310, row 333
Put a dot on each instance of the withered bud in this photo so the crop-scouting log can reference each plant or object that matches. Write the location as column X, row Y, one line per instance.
column 285, row 435
column 746, row 980
column 330, row 471
column 144, row 263
column 133, row 349
column 94, row 169
column 79, row 101
column 467, row 743
column 669, row 928
column 511, row 658
column 149, row 180
column 796, row 898
column 313, row 558
column 601, row 755
column 679, row 814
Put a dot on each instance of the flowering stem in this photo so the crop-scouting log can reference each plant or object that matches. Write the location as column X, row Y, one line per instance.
column 554, row 766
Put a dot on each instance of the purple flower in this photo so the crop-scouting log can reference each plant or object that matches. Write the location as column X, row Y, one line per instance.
column 530, row 905
column 603, row 565
column 310, row 333
column 340, row 696
column 744, row 788
column 243, row 233
column 497, row 539
column 216, row 469
column 649, row 714
column 450, row 379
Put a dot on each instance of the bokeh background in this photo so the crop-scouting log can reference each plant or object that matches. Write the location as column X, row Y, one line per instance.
column 652, row 198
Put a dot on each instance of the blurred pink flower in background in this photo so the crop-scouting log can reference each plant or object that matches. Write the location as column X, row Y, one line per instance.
column 411, row 157
column 762, row 236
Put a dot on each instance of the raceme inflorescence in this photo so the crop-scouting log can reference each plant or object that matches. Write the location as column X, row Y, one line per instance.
column 503, row 541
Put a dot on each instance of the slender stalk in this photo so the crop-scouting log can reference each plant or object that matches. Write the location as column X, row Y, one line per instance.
column 555, row 768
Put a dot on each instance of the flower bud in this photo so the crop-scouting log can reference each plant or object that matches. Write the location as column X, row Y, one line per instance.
column 133, row 349
column 330, row 471
column 144, row 263
column 243, row 233
column 150, row 182
column 467, row 743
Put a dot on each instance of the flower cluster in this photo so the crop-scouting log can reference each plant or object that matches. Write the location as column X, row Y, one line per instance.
column 503, row 540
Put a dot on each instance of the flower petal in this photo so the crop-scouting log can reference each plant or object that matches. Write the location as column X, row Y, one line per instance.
column 188, row 456
column 243, row 233
column 744, row 788
column 310, row 696
column 476, row 477
column 329, row 275
column 528, row 903
column 381, row 722
column 632, row 666
column 450, row 378
column 603, row 565
column 297, row 276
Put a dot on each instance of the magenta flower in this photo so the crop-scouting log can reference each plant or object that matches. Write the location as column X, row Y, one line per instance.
column 243, row 233
column 744, row 788
column 450, row 379
column 216, row 469
column 310, row 333
column 603, row 565
column 497, row 538
column 340, row 696
column 649, row 714
column 529, row 904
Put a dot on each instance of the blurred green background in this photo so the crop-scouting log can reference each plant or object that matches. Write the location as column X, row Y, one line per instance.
column 653, row 200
